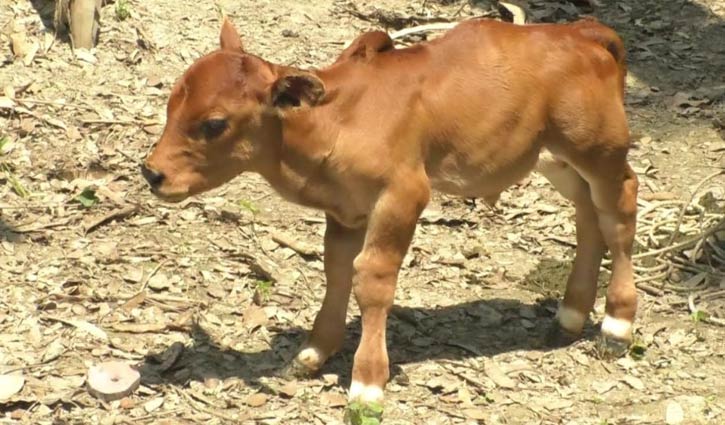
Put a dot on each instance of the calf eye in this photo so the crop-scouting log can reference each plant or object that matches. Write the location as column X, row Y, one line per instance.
column 211, row 129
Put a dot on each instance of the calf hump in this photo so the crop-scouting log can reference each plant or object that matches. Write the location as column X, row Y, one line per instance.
column 366, row 46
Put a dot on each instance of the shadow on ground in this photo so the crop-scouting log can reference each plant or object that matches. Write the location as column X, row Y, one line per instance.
column 7, row 233
column 481, row 328
column 672, row 45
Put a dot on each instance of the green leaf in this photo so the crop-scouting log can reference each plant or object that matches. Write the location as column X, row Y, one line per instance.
column 637, row 350
column 123, row 10
column 358, row 413
column 699, row 316
column 17, row 186
column 249, row 206
column 88, row 198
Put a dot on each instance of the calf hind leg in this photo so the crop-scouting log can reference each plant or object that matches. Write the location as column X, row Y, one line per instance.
column 581, row 286
column 615, row 197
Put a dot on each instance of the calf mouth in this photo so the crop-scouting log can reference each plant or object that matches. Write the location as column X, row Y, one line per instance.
column 171, row 197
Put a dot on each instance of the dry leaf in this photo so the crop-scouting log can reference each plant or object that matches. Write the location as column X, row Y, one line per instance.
column 519, row 16
column 254, row 317
column 674, row 414
column 10, row 385
column 257, row 400
column 476, row 414
column 134, row 301
column 634, row 382
column 6, row 103
column 333, row 399
column 159, row 282
column 153, row 404
column 289, row 389
column 54, row 350
column 497, row 376
column 139, row 327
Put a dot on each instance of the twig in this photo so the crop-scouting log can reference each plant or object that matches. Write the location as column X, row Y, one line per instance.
column 298, row 247
column 439, row 26
column 52, row 103
column 198, row 406
column 652, row 290
column 148, row 278
column 29, row 228
column 119, row 214
column 683, row 244
column 124, row 122
column 692, row 198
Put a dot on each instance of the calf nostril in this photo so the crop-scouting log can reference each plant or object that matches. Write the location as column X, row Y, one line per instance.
column 152, row 176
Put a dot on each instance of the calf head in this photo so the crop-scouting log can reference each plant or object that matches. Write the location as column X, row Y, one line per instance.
column 223, row 118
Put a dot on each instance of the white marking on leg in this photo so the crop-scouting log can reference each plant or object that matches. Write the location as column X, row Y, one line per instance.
column 617, row 328
column 365, row 393
column 570, row 319
column 310, row 357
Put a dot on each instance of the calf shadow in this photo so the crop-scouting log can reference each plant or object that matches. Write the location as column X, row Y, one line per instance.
column 8, row 233
column 473, row 329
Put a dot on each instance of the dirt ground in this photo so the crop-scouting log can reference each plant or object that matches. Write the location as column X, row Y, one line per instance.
column 211, row 297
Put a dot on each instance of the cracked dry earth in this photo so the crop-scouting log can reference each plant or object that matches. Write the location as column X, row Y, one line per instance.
column 210, row 298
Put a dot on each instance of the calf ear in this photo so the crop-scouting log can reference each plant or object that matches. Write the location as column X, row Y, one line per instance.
column 229, row 38
column 297, row 89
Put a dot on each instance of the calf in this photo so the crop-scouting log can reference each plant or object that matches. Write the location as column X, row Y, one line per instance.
column 365, row 140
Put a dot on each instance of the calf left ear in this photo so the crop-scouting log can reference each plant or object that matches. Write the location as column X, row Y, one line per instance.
column 229, row 37
column 297, row 89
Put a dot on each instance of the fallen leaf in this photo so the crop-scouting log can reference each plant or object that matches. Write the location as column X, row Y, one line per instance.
column 153, row 404
column 497, row 376
column 254, row 317
column 517, row 13
column 634, row 382
column 6, row 103
column 602, row 387
column 333, row 399
column 674, row 413
column 10, row 385
column 257, row 400
column 159, row 282
column 289, row 389
column 475, row 414
column 134, row 302
column 54, row 350
column 139, row 328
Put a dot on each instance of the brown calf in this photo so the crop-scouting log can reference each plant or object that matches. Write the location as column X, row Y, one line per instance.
column 366, row 139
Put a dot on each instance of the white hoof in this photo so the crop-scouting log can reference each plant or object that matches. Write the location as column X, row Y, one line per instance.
column 570, row 320
column 617, row 328
column 310, row 358
column 365, row 393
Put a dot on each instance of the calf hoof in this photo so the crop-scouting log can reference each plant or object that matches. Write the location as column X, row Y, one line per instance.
column 363, row 413
column 307, row 363
column 297, row 370
column 560, row 337
column 615, row 338
column 609, row 348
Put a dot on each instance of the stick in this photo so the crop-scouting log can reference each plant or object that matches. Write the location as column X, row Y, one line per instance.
column 692, row 198
column 122, row 213
column 438, row 26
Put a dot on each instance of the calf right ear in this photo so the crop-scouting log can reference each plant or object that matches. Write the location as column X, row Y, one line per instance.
column 297, row 89
column 229, row 38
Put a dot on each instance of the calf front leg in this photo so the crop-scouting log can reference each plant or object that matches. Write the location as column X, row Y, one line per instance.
column 390, row 229
column 342, row 245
